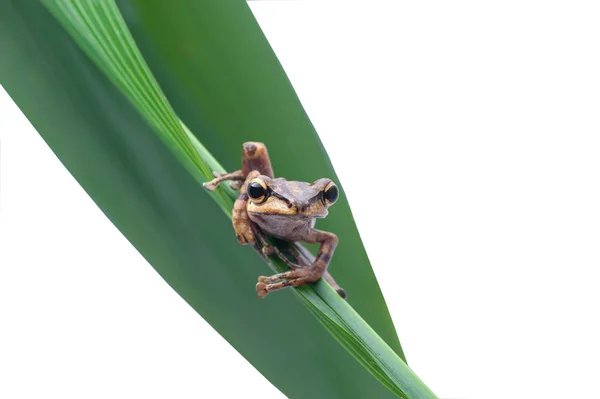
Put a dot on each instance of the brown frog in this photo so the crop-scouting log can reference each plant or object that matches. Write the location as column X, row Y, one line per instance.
column 284, row 209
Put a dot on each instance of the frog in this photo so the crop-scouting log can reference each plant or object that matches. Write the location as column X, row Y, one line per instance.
column 267, row 206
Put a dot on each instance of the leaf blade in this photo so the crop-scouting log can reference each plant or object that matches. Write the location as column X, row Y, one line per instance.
column 177, row 40
column 391, row 376
column 112, row 152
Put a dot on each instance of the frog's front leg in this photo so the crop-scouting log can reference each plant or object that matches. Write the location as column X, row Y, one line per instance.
column 302, row 275
column 237, row 176
column 239, row 215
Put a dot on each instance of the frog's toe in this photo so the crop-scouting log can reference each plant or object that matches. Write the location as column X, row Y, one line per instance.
column 268, row 250
column 243, row 238
column 261, row 289
column 209, row 185
column 250, row 148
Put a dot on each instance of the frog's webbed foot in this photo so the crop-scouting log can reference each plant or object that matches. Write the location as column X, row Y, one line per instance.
column 237, row 177
column 295, row 278
column 292, row 278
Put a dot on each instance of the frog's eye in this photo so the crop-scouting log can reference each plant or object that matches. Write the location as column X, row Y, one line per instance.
column 257, row 189
column 331, row 193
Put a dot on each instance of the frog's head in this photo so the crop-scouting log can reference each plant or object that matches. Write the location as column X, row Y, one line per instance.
column 281, row 197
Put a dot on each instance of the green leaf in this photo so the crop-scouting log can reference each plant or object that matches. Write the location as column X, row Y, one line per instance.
column 212, row 56
column 109, row 140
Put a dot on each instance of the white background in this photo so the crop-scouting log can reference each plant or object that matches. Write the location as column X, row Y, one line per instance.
column 466, row 135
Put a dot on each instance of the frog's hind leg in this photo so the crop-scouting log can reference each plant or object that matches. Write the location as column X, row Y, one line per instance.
column 328, row 277
column 307, row 274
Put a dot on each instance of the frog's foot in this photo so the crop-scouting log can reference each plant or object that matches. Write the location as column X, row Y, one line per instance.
column 263, row 289
column 292, row 278
column 262, row 245
column 236, row 176
column 264, row 250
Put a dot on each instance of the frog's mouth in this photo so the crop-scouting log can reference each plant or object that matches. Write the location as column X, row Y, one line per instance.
column 293, row 214
column 275, row 205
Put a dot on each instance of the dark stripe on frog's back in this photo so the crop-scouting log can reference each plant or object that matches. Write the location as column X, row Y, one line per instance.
column 292, row 190
column 281, row 189
column 304, row 207
column 281, row 197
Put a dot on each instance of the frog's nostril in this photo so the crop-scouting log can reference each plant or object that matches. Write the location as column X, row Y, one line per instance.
column 301, row 206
